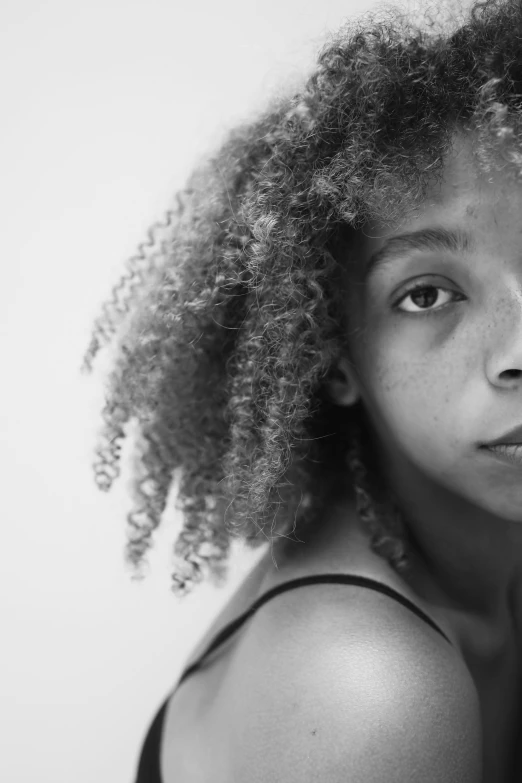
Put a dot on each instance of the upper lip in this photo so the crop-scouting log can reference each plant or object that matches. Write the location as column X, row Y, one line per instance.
column 513, row 436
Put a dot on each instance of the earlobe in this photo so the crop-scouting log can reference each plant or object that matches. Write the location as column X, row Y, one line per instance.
column 343, row 388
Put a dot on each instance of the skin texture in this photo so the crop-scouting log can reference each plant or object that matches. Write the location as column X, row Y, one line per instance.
column 436, row 385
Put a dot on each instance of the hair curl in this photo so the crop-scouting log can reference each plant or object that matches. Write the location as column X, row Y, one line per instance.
column 230, row 319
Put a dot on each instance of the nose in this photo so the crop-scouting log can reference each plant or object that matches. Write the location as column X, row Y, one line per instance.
column 504, row 339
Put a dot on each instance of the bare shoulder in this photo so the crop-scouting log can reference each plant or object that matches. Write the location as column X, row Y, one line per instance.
column 342, row 680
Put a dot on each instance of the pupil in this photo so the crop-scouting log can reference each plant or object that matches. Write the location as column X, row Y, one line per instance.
column 430, row 294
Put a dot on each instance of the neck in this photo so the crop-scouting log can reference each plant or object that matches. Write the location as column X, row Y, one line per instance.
column 474, row 556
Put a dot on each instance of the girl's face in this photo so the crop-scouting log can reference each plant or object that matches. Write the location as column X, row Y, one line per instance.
column 439, row 369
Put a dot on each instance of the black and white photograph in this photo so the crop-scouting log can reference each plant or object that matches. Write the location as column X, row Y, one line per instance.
column 262, row 495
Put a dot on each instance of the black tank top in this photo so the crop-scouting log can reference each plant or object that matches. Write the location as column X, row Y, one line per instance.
column 149, row 762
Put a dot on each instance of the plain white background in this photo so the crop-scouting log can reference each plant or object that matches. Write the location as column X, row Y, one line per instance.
column 105, row 107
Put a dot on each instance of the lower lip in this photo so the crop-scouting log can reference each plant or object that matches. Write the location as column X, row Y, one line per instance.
column 511, row 453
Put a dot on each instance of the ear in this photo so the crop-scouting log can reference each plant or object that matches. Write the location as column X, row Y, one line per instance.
column 343, row 386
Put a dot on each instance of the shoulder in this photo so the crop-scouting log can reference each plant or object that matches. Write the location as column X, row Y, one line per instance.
column 341, row 679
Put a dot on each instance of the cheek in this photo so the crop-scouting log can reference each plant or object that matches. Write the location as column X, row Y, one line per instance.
column 418, row 375
column 416, row 392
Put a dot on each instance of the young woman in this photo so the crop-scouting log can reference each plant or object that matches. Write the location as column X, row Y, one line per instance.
column 326, row 350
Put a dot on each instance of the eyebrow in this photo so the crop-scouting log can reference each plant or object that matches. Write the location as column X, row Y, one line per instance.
column 435, row 239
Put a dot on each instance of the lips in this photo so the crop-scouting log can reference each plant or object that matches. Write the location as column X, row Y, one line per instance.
column 506, row 452
column 514, row 436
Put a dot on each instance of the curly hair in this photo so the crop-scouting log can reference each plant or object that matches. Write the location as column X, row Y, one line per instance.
column 229, row 321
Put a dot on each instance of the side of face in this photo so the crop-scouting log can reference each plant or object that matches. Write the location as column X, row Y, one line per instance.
column 439, row 370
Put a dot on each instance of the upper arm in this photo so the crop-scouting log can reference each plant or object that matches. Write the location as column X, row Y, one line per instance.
column 364, row 708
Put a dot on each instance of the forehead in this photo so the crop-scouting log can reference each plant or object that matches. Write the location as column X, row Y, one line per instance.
column 461, row 178
column 464, row 198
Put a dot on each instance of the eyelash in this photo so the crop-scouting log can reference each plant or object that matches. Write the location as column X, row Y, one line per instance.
column 420, row 286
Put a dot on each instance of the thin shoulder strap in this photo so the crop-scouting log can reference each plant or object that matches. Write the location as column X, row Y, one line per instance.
column 361, row 581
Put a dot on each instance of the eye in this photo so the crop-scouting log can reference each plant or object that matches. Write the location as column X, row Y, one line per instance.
column 423, row 296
